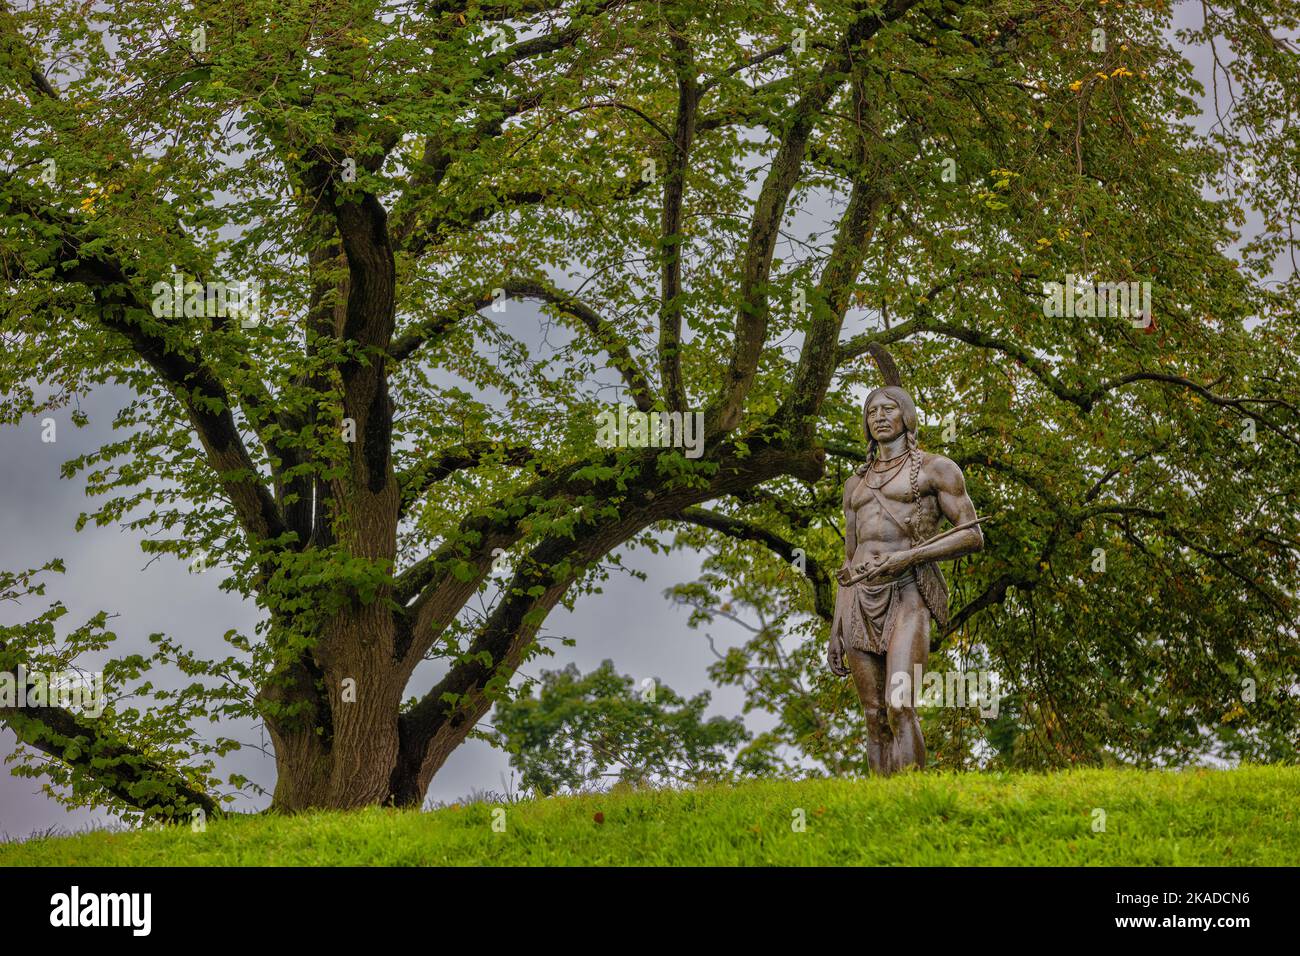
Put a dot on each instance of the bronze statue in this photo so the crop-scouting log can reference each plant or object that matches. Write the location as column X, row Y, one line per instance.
column 890, row 585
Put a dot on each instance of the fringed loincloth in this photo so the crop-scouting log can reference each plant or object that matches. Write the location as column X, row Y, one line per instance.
column 867, row 613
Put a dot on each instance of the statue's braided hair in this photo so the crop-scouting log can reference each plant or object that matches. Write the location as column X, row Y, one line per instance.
column 915, row 451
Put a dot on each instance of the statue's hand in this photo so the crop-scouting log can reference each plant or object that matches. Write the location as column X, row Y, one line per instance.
column 889, row 565
column 835, row 654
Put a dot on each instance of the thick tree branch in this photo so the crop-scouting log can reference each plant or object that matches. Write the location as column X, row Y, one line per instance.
column 194, row 384
column 433, row 594
column 445, row 714
column 119, row 769
column 436, row 326
column 123, row 771
column 671, row 238
column 15, row 50
column 752, row 317
column 602, row 332
column 829, row 303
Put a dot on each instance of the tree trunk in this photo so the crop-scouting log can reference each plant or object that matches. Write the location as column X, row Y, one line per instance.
column 337, row 745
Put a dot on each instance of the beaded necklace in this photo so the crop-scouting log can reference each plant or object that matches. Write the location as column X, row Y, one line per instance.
column 893, row 472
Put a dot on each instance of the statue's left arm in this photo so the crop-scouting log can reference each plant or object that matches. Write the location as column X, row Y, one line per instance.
column 956, row 506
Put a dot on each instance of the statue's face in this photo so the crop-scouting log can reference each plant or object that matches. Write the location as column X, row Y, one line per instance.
column 884, row 418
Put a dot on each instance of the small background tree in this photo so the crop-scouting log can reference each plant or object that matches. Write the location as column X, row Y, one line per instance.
column 582, row 730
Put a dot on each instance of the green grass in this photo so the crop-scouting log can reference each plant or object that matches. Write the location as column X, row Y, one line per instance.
column 1249, row 816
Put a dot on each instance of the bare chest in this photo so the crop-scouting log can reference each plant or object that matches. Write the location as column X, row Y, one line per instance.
column 888, row 506
column 895, row 488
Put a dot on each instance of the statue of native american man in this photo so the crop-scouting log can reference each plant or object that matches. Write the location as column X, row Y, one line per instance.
column 890, row 584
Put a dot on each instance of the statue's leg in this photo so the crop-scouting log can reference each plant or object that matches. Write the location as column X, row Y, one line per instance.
column 909, row 648
column 869, row 675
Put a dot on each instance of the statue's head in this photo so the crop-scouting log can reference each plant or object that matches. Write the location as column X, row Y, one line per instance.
column 887, row 413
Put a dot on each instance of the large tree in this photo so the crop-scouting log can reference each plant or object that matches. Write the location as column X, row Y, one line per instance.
column 725, row 207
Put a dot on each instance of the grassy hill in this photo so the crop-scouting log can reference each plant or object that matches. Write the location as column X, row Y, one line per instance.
column 1249, row 816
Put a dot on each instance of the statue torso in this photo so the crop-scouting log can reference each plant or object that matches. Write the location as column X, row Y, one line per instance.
column 876, row 531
